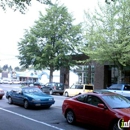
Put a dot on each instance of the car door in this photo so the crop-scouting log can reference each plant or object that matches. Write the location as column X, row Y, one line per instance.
column 96, row 114
column 19, row 98
column 80, row 109
column 71, row 90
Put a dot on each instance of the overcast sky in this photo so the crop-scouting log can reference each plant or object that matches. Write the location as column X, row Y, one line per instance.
column 13, row 24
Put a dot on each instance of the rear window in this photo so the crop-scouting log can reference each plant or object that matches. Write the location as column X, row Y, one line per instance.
column 127, row 87
column 88, row 87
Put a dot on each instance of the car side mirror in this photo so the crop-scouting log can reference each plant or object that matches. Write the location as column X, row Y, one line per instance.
column 100, row 105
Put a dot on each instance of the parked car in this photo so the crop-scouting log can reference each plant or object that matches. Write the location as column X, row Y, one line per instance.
column 1, row 93
column 1, row 81
column 39, row 85
column 76, row 89
column 123, row 89
column 5, row 81
column 54, row 87
column 102, row 109
column 29, row 97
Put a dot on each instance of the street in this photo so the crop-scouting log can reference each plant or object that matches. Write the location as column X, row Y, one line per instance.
column 17, row 118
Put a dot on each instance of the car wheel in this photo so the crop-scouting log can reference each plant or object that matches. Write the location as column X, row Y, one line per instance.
column 0, row 97
column 51, row 92
column 115, row 126
column 66, row 94
column 70, row 117
column 26, row 104
column 10, row 101
column 61, row 94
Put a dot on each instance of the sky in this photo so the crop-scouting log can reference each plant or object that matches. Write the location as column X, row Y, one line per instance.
column 13, row 24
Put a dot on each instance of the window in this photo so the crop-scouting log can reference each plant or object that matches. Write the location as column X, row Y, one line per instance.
column 116, row 87
column 127, row 87
column 73, row 87
column 93, row 100
column 79, row 86
column 88, row 87
column 82, row 98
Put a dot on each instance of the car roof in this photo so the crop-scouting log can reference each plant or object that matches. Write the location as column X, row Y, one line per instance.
column 84, row 84
column 99, row 93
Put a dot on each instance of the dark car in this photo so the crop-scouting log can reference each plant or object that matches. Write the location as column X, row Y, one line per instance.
column 30, row 97
column 1, row 93
column 102, row 109
column 54, row 87
column 39, row 85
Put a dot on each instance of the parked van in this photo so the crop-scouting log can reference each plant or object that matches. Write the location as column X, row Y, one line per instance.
column 76, row 89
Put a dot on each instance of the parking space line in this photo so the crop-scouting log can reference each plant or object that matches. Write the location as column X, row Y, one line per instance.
column 31, row 119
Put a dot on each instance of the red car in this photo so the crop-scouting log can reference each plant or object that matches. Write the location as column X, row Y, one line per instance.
column 1, row 93
column 101, row 109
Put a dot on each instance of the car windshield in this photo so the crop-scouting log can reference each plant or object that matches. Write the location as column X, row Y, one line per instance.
column 32, row 90
column 116, row 101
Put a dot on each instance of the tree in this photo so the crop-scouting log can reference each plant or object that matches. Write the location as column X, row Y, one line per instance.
column 10, row 69
column 108, row 34
column 20, row 5
column 17, row 68
column 51, row 41
column 5, row 67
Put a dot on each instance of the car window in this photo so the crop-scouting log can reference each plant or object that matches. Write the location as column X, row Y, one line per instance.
column 79, row 86
column 93, row 100
column 60, row 85
column 116, row 101
column 33, row 90
column 116, row 87
column 88, row 87
column 82, row 98
column 73, row 87
column 127, row 87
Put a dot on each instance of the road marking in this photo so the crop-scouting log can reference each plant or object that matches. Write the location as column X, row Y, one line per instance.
column 31, row 119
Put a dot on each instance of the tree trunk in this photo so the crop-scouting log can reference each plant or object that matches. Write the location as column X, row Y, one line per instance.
column 119, row 76
column 51, row 74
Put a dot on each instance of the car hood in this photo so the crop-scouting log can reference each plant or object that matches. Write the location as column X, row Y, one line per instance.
column 39, row 95
column 124, row 111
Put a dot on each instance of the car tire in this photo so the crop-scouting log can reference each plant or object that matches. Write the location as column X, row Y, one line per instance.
column 50, row 92
column 66, row 94
column 61, row 94
column 26, row 104
column 70, row 117
column 10, row 101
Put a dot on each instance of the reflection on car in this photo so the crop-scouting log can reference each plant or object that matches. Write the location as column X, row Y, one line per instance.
column 102, row 109
column 29, row 97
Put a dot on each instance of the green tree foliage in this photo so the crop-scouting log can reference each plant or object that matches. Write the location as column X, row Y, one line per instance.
column 108, row 34
column 20, row 5
column 51, row 41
